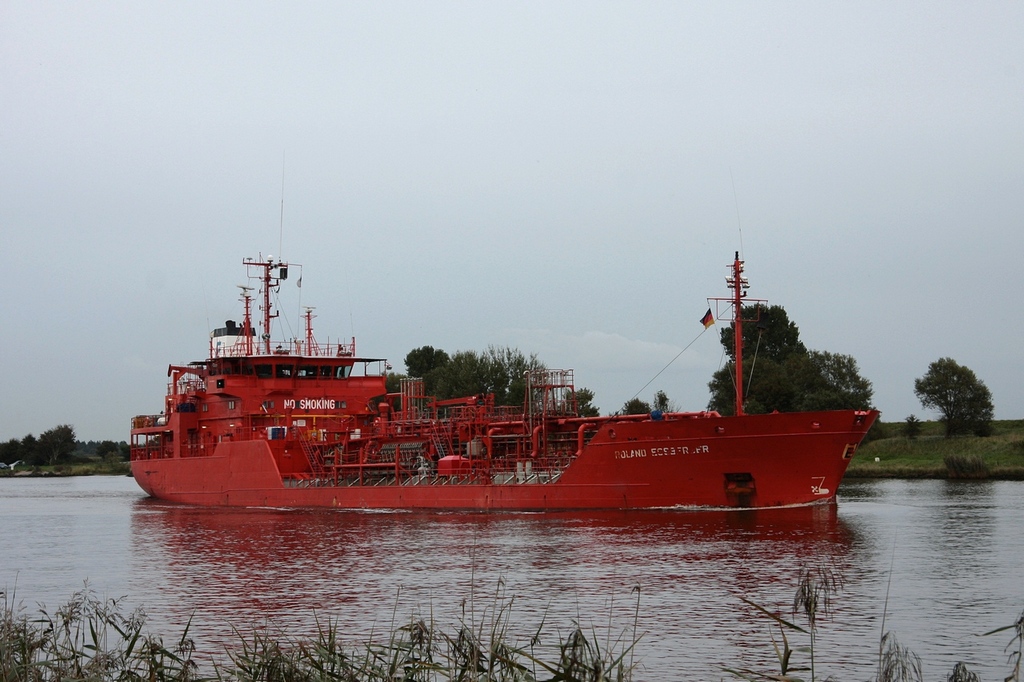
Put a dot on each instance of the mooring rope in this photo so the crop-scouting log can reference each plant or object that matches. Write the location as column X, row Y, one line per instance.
column 669, row 363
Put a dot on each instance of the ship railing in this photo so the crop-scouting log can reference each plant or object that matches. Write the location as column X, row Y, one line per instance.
column 150, row 447
column 385, row 474
column 307, row 481
column 485, row 410
column 240, row 348
column 546, row 469
column 147, row 421
column 405, row 426
column 508, row 413
column 186, row 384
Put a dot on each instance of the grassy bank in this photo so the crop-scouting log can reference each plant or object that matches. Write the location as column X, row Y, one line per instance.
column 890, row 454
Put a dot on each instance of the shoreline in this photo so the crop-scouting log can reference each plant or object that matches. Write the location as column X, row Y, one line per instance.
column 889, row 453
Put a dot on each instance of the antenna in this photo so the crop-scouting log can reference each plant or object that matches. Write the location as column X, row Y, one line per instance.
column 280, row 237
column 736, row 202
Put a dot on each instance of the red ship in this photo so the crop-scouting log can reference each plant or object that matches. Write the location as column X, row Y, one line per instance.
column 303, row 424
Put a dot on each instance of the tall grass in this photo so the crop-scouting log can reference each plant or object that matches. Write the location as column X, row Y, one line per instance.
column 93, row 639
column 88, row 639
column 965, row 465
column 816, row 590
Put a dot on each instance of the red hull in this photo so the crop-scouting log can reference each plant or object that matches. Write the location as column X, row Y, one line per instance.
column 747, row 461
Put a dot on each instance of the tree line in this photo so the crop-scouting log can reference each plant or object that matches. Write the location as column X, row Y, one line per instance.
column 786, row 376
column 500, row 371
column 781, row 374
column 58, row 446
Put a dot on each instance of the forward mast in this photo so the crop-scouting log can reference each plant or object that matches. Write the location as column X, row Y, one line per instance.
column 739, row 285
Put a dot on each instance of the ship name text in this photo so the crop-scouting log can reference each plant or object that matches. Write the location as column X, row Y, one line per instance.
column 666, row 451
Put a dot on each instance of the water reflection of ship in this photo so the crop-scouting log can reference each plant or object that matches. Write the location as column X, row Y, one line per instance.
column 271, row 546
column 262, row 535
column 239, row 566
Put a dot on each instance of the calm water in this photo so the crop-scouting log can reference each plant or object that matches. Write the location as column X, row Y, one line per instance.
column 953, row 551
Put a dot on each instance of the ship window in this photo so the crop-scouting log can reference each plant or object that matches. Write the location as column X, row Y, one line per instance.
column 268, row 404
column 342, row 372
column 326, row 371
column 264, row 371
column 285, row 371
column 307, row 371
column 206, row 408
column 231, row 404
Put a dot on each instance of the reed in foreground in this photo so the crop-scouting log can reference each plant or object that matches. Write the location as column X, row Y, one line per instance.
column 93, row 639
column 88, row 639
column 816, row 590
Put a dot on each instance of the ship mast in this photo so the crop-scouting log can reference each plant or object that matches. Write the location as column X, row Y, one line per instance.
column 269, row 279
column 739, row 286
column 247, row 320
column 310, row 341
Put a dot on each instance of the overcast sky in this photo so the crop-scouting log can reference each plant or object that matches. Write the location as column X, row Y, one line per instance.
column 570, row 179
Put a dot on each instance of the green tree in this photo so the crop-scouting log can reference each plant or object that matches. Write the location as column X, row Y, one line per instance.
column 661, row 402
column 773, row 336
column 959, row 395
column 10, row 451
column 768, row 386
column 424, row 362
column 57, row 443
column 635, row 406
column 108, row 450
column 781, row 374
column 393, row 382
column 834, row 383
column 462, row 375
column 506, row 370
column 498, row 370
column 912, row 427
column 420, row 361
column 31, row 452
column 585, row 403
